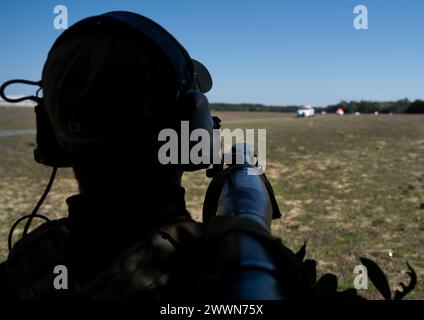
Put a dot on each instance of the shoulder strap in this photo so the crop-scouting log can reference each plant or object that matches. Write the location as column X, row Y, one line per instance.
column 146, row 269
column 32, row 261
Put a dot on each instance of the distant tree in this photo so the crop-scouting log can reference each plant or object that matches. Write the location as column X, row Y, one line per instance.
column 416, row 107
column 252, row 107
column 363, row 106
column 402, row 106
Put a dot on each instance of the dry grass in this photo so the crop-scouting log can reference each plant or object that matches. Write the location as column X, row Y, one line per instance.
column 352, row 186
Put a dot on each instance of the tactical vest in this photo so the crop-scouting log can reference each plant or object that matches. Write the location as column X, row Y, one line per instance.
column 169, row 261
column 144, row 269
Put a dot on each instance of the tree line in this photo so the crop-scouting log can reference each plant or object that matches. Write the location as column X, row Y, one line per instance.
column 363, row 106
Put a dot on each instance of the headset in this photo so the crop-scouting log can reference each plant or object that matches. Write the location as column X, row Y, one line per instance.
column 193, row 81
column 192, row 77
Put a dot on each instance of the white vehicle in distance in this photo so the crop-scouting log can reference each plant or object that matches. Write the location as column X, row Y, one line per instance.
column 306, row 111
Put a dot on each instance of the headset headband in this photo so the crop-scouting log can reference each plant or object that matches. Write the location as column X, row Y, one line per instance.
column 186, row 69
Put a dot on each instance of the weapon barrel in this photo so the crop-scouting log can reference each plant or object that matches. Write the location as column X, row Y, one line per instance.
column 245, row 260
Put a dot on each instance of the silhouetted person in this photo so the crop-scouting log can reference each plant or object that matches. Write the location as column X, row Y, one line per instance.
column 108, row 90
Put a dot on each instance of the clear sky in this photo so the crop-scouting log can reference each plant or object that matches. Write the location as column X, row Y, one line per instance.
column 278, row 52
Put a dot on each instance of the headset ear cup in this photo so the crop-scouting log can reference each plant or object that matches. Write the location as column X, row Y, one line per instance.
column 196, row 105
column 195, row 109
column 48, row 150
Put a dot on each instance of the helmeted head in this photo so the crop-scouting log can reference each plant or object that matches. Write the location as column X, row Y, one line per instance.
column 112, row 82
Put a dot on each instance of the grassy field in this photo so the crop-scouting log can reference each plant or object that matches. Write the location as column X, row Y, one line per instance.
column 351, row 186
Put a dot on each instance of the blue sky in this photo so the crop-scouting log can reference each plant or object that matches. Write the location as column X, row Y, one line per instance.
column 273, row 52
